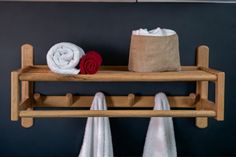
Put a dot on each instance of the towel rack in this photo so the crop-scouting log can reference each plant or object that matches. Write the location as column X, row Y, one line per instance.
column 24, row 100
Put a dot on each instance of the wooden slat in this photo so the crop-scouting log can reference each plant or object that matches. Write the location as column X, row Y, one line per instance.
column 219, row 96
column 118, row 113
column 15, row 95
column 202, row 86
column 42, row 73
column 112, row 101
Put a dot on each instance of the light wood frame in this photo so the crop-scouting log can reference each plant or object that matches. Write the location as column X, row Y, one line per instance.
column 195, row 105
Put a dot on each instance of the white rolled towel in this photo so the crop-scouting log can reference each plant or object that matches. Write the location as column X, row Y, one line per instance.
column 63, row 58
column 160, row 139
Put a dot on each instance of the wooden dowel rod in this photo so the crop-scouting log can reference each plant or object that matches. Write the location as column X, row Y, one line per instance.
column 119, row 113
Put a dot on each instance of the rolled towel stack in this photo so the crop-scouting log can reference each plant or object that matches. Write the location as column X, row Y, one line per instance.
column 63, row 58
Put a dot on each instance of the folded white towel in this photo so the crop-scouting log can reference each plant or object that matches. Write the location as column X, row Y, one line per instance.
column 155, row 32
column 63, row 58
column 97, row 138
column 160, row 139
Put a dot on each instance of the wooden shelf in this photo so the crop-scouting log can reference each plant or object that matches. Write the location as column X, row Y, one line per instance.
column 24, row 100
column 117, row 74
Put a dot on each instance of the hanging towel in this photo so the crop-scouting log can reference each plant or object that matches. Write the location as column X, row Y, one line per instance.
column 160, row 139
column 63, row 58
column 97, row 138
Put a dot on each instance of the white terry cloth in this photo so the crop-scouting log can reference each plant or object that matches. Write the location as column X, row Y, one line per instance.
column 160, row 139
column 155, row 32
column 97, row 138
column 63, row 58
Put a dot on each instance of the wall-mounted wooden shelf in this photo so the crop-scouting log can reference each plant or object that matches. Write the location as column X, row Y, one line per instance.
column 195, row 105
column 118, row 74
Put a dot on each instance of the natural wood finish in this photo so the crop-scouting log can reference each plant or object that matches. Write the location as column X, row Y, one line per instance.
column 210, row 70
column 26, row 104
column 219, row 96
column 15, row 97
column 131, row 100
column 199, row 100
column 69, row 99
column 202, row 86
column 42, row 73
column 26, row 86
column 118, row 113
column 38, row 98
column 113, row 101
column 207, row 105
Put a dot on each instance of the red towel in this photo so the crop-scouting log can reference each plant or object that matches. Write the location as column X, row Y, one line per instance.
column 90, row 62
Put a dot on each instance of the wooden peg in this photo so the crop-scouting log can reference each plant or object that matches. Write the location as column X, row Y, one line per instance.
column 69, row 99
column 193, row 95
column 38, row 98
column 131, row 98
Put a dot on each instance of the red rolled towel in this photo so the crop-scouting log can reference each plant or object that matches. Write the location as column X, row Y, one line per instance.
column 90, row 62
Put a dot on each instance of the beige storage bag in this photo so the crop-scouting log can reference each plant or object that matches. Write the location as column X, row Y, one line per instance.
column 154, row 53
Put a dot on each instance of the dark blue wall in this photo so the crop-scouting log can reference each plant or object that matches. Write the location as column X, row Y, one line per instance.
column 107, row 27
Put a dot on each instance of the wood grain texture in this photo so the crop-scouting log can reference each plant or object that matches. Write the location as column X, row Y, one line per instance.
column 26, row 86
column 219, row 96
column 112, row 101
column 200, row 73
column 42, row 73
column 118, row 113
column 202, row 86
column 15, row 95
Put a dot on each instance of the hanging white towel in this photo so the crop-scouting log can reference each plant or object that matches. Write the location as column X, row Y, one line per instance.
column 97, row 138
column 155, row 32
column 160, row 139
column 63, row 58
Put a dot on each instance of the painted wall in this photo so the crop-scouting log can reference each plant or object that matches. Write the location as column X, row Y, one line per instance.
column 107, row 28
